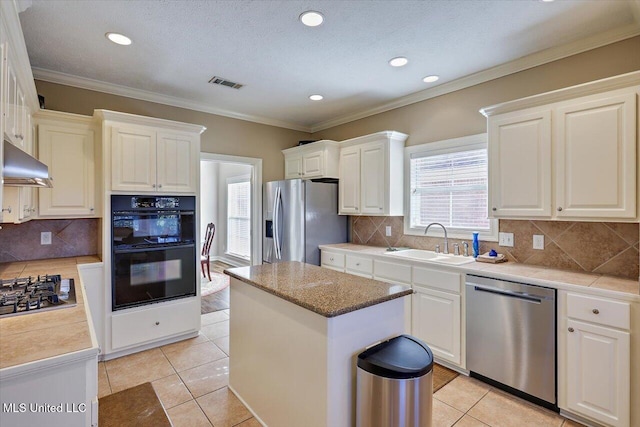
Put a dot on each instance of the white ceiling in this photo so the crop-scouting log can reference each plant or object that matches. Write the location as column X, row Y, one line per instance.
column 179, row 45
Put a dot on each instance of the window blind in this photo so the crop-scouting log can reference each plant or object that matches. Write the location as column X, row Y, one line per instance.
column 239, row 219
column 450, row 188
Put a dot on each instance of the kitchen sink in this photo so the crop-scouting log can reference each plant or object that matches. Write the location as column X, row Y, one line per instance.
column 422, row 255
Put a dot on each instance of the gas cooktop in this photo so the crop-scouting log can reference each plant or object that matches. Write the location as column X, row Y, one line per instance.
column 35, row 294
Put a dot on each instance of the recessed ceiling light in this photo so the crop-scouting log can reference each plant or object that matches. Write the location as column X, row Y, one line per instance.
column 399, row 61
column 547, row 1
column 311, row 18
column 316, row 97
column 118, row 39
column 430, row 79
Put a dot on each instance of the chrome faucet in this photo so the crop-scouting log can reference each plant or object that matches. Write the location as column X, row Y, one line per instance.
column 446, row 240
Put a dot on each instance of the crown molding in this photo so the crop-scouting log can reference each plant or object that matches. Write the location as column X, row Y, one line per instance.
column 116, row 116
column 129, row 92
column 517, row 65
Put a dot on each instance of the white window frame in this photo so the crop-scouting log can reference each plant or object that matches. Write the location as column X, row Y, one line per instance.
column 236, row 180
column 466, row 143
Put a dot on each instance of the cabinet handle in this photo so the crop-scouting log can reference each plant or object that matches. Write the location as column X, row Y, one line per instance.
column 159, row 185
column 7, row 210
column 571, row 329
column 357, row 264
column 559, row 208
column 494, row 209
column 595, row 311
column 157, row 323
column 153, row 185
column 91, row 209
column 330, row 259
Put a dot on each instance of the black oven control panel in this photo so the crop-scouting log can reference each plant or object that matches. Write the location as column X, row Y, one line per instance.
column 155, row 202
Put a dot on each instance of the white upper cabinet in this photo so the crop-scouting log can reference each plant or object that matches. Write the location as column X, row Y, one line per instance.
column 566, row 156
column 595, row 149
column 520, row 164
column 371, row 174
column 67, row 144
column 151, row 155
column 316, row 160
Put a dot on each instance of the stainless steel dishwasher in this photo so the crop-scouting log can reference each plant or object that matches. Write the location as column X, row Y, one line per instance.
column 511, row 337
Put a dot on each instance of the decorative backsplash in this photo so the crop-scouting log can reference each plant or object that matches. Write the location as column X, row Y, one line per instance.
column 597, row 247
column 69, row 237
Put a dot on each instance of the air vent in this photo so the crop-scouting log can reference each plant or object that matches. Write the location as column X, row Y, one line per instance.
column 224, row 82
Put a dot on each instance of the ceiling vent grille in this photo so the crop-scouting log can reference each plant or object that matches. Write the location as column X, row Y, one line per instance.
column 224, row 82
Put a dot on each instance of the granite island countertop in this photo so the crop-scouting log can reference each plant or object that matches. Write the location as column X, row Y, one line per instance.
column 325, row 292
column 597, row 284
column 41, row 335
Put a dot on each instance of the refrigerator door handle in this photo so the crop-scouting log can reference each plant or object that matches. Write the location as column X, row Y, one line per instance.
column 277, row 203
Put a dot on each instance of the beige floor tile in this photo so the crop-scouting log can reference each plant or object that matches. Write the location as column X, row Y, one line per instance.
column 185, row 343
column 171, row 391
column 216, row 330
column 123, row 376
column 215, row 317
column 468, row 421
column 570, row 423
column 206, row 378
column 444, row 415
column 188, row 414
column 251, row 422
column 147, row 356
column 195, row 355
column 223, row 344
column 502, row 410
column 223, row 408
column 104, row 389
column 462, row 393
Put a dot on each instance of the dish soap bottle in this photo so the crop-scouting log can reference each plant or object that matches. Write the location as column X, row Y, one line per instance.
column 476, row 245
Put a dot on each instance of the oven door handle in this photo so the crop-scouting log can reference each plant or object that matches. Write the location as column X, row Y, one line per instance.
column 152, row 248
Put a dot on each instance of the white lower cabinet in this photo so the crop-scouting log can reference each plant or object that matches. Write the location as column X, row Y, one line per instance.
column 594, row 359
column 436, row 321
column 332, row 260
column 359, row 265
column 154, row 323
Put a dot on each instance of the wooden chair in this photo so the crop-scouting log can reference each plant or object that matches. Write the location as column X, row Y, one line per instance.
column 206, row 249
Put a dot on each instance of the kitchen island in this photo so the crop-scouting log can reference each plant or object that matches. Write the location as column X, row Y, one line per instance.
column 295, row 332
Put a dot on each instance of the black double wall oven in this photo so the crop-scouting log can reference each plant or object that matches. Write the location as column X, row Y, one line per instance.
column 153, row 249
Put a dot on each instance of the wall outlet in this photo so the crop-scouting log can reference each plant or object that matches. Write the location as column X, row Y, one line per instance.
column 45, row 238
column 538, row 241
column 505, row 239
column 388, row 231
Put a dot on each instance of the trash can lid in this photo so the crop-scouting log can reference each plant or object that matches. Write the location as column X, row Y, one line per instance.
column 401, row 357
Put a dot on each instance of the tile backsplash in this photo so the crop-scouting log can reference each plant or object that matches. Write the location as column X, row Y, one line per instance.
column 598, row 247
column 69, row 237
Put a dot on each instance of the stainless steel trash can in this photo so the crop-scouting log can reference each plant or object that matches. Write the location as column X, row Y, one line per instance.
column 395, row 384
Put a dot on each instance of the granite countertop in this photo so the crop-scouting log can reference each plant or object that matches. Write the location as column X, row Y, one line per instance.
column 543, row 276
column 40, row 335
column 323, row 291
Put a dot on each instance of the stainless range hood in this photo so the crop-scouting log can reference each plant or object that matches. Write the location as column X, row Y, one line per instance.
column 23, row 170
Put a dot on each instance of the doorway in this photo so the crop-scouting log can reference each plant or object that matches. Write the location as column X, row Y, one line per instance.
column 231, row 199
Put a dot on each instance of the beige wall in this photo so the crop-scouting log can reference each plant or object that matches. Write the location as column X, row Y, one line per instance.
column 456, row 114
column 223, row 135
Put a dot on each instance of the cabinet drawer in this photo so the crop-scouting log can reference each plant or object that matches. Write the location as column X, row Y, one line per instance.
column 389, row 271
column 332, row 259
column 154, row 323
column 356, row 264
column 436, row 279
column 598, row 310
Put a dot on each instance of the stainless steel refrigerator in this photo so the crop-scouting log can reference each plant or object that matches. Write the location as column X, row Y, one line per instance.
column 298, row 216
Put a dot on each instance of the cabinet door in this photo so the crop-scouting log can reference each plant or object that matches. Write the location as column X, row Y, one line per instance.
column 177, row 163
column 313, row 164
column 349, row 184
column 436, row 321
column 520, row 164
column 595, row 135
column 292, row 167
column 372, row 182
column 133, row 159
column 10, row 116
column 598, row 372
column 69, row 153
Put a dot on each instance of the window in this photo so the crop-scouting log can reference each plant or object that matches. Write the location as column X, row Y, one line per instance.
column 239, row 217
column 448, row 183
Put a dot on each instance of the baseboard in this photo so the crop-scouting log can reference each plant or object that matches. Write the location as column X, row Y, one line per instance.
column 230, row 260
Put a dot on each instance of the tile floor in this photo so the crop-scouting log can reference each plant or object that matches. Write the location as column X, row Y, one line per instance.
column 191, row 378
